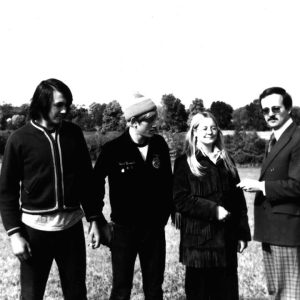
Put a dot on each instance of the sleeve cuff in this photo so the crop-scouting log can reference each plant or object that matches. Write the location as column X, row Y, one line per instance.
column 13, row 230
column 99, row 218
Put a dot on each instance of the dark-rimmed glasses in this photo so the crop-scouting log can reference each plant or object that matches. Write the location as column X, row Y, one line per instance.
column 274, row 109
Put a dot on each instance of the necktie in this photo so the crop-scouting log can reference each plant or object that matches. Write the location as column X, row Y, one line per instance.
column 272, row 142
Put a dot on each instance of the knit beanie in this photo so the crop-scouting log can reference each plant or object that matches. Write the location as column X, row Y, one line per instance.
column 139, row 106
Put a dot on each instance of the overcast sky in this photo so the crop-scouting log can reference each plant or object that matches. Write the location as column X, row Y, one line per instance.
column 226, row 50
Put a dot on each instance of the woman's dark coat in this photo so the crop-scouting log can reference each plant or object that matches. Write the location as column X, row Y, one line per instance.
column 205, row 241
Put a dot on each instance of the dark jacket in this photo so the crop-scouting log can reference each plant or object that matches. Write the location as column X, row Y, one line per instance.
column 277, row 215
column 205, row 241
column 45, row 175
column 140, row 191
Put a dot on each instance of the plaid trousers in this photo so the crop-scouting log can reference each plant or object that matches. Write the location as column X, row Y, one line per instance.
column 282, row 268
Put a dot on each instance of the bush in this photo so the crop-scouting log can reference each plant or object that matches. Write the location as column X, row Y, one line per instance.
column 175, row 141
column 245, row 148
column 96, row 140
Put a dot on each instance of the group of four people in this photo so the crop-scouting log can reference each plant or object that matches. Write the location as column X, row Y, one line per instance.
column 47, row 184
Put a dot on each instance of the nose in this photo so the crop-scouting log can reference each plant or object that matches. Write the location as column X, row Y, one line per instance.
column 209, row 131
column 63, row 109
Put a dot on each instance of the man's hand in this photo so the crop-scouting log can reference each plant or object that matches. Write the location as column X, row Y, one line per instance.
column 252, row 185
column 222, row 213
column 242, row 245
column 20, row 247
column 94, row 235
column 106, row 234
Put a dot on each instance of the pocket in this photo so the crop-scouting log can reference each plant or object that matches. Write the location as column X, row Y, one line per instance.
column 287, row 209
column 31, row 187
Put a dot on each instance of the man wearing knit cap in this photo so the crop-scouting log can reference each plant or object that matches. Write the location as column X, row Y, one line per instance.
column 139, row 173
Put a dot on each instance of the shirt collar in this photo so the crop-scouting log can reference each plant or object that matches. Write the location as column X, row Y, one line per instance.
column 213, row 156
column 279, row 131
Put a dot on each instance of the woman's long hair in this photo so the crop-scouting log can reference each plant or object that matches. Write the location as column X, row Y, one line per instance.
column 191, row 149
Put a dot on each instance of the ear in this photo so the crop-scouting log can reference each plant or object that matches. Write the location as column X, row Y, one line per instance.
column 133, row 122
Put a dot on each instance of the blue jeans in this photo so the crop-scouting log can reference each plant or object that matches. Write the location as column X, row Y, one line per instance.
column 67, row 248
column 150, row 245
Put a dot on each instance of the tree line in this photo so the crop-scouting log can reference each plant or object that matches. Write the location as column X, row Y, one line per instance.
column 103, row 122
column 173, row 116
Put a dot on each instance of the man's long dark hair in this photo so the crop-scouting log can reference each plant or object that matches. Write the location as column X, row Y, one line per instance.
column 43, row 97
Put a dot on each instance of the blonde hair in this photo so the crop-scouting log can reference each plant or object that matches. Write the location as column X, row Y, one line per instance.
column 191, row 149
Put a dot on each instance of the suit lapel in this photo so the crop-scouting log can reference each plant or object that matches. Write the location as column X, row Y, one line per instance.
column 280, row 144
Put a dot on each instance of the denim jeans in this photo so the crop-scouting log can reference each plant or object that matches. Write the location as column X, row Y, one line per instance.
column 67, row 248
column 150, row 245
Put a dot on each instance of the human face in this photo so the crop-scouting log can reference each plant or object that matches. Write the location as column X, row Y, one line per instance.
column 58, row 109
column 206, row 132
column 146, row 128
column 274, row 111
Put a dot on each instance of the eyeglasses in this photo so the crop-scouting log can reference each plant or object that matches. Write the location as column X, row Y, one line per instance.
column 274, row 109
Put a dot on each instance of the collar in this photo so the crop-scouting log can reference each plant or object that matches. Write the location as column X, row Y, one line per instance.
column 144, row 144
column 279, row 132
column 40, row 127
column 213, row 156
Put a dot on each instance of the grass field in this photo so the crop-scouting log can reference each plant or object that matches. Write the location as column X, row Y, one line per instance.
column 251, row 278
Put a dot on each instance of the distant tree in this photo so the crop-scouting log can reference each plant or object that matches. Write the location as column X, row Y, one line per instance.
column 173, row 114
column 239, row 118
column 96, row 113
column 6, row 112
column 16, row 121
column 245, row 148
column 196, row 106
column 113, row 119
column 24, row 110
column 80, row 116
column 295, row 113
column 249, row 117
column 223, row 113
column 255, row 119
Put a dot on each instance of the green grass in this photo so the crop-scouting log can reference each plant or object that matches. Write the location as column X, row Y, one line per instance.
column 251, row 275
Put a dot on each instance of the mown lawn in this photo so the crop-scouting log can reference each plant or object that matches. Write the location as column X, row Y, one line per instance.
column 252, row 282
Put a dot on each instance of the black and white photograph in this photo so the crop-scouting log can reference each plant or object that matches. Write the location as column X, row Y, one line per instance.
column 149, row 150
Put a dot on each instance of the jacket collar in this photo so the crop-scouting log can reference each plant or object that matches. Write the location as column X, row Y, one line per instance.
column 280, row 144
column 282, row 129
column 42, row 128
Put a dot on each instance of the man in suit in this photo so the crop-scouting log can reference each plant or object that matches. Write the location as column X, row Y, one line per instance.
column 277, row 201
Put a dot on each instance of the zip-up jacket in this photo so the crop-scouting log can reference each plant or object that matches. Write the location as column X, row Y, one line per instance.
column 41, row 174
column 140, row 191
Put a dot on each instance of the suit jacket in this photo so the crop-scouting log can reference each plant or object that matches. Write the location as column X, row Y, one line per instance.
column 277, row 215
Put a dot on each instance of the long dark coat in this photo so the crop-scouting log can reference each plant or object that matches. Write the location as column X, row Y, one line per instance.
column 205, row 241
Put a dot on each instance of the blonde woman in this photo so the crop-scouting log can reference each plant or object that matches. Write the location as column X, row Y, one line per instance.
column 212, row 212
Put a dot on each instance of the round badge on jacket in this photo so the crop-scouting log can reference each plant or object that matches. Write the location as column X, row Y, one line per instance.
column 156, row 162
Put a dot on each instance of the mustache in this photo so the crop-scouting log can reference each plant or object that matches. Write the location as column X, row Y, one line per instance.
column 272, row 118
